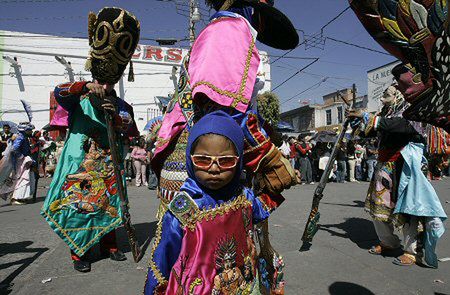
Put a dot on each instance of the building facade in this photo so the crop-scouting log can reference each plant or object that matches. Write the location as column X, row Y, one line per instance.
column 29, row 70
column 326, row 116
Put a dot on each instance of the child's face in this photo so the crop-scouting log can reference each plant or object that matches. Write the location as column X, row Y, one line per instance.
column 214, row 177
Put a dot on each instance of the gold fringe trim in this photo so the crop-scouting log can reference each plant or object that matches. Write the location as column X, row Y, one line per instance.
column 237, row 97
column 209, row 214
column 156, row 272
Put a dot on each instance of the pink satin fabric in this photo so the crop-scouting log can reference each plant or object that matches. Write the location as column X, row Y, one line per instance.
column 197, row 259
column 220, row 57
column 60, row 117
column 172, row 125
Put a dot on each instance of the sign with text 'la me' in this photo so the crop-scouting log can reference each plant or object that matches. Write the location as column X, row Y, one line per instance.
column 378, row 80
column 159, row 54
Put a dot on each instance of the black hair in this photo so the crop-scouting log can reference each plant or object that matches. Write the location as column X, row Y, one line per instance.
column 229, row 142
column 6, row 125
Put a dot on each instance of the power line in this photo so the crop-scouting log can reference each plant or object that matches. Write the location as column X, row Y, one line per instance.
column 335, row 18
column 37, row 1
column 306, row 40
column 307, row 89
column 296, row 73
column 42, row 18
column 357, row 46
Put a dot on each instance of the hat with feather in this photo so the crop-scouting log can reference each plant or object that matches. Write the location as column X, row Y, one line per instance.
column 274, row 28
column 113, row 37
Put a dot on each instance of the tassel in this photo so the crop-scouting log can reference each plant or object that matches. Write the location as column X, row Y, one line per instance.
column 92, row 18
column 131, row 72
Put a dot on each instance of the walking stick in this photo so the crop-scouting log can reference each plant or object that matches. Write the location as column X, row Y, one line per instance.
column 312, row 225
column 126, row 217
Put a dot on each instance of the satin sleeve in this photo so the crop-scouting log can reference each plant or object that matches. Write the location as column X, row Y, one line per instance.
column 68, row 94
column 165, row 251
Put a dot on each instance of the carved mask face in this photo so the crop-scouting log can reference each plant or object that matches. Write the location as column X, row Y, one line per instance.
column 113, row 36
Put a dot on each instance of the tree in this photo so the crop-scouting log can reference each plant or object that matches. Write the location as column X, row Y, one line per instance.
column 269, row 107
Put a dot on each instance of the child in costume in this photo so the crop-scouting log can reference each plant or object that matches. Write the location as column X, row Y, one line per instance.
column 204, row 242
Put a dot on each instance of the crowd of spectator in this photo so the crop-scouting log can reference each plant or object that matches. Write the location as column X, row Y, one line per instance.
column 355, row 160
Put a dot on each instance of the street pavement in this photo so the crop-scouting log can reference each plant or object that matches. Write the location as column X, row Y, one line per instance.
column 34, row 260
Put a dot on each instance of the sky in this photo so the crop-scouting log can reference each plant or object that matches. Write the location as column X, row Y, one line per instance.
column 339, row 65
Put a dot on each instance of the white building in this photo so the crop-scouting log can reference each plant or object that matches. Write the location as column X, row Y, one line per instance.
column 378, row 80
column 38, row 72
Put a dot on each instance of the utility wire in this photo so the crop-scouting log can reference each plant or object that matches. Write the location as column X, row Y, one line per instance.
column 307, row 89
column 305, row 40
column 335, row 18
column 37, row 1
column 296, row 73
column 357, row 46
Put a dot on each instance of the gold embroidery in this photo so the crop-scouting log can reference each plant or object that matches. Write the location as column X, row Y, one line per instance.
column 210, row 214
column 81, row 251
column 156, row 272
column 237, row 97
column 161, row 141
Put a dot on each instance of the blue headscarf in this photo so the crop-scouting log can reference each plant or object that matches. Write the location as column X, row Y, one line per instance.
column 220, row 123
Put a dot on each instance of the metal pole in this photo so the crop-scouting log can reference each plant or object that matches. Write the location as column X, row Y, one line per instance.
column 17, row 71
column 191, row 22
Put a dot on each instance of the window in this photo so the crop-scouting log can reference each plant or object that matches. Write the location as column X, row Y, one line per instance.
column 328, row 117
column 340, row 115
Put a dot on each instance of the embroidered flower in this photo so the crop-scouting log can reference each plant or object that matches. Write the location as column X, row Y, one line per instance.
column 180, row 203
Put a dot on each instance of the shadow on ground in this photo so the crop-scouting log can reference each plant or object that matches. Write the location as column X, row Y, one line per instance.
column 15, row 248
column 359, row 230
column 144, row 232
column 345, row 288
column 356, row 204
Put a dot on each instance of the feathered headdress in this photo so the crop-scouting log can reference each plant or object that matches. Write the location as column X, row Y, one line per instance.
column 27, row 109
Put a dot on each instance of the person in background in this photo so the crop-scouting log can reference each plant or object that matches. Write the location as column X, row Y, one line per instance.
column 359, row 155
column 4, row 136
column 304, row 152
column 285, row 148
column 371, row 156
column 36, row 145
column 351, row 149
column 140, row 160
column 23, row 164
column 128, row 162
column 341, row 158
column 46, row 149
column 293, row 152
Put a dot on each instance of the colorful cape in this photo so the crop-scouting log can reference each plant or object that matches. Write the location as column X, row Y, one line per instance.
column 83, row 204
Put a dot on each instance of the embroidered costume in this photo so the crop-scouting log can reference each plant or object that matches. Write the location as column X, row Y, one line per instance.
column 204, row 242
column 224, row 72
column 82, row 204
column 399, row 193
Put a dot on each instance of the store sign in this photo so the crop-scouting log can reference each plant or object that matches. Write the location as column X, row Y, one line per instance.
column 378, row 80
column 161, row 54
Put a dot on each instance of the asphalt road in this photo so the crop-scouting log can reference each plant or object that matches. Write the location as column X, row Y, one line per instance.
column 337, row 263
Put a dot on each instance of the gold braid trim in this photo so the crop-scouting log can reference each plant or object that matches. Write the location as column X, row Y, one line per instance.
column 161, row 141
column 237, row 97
column 253, row 148
column 209, row 214
column 156, row 272
column 81, row 251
